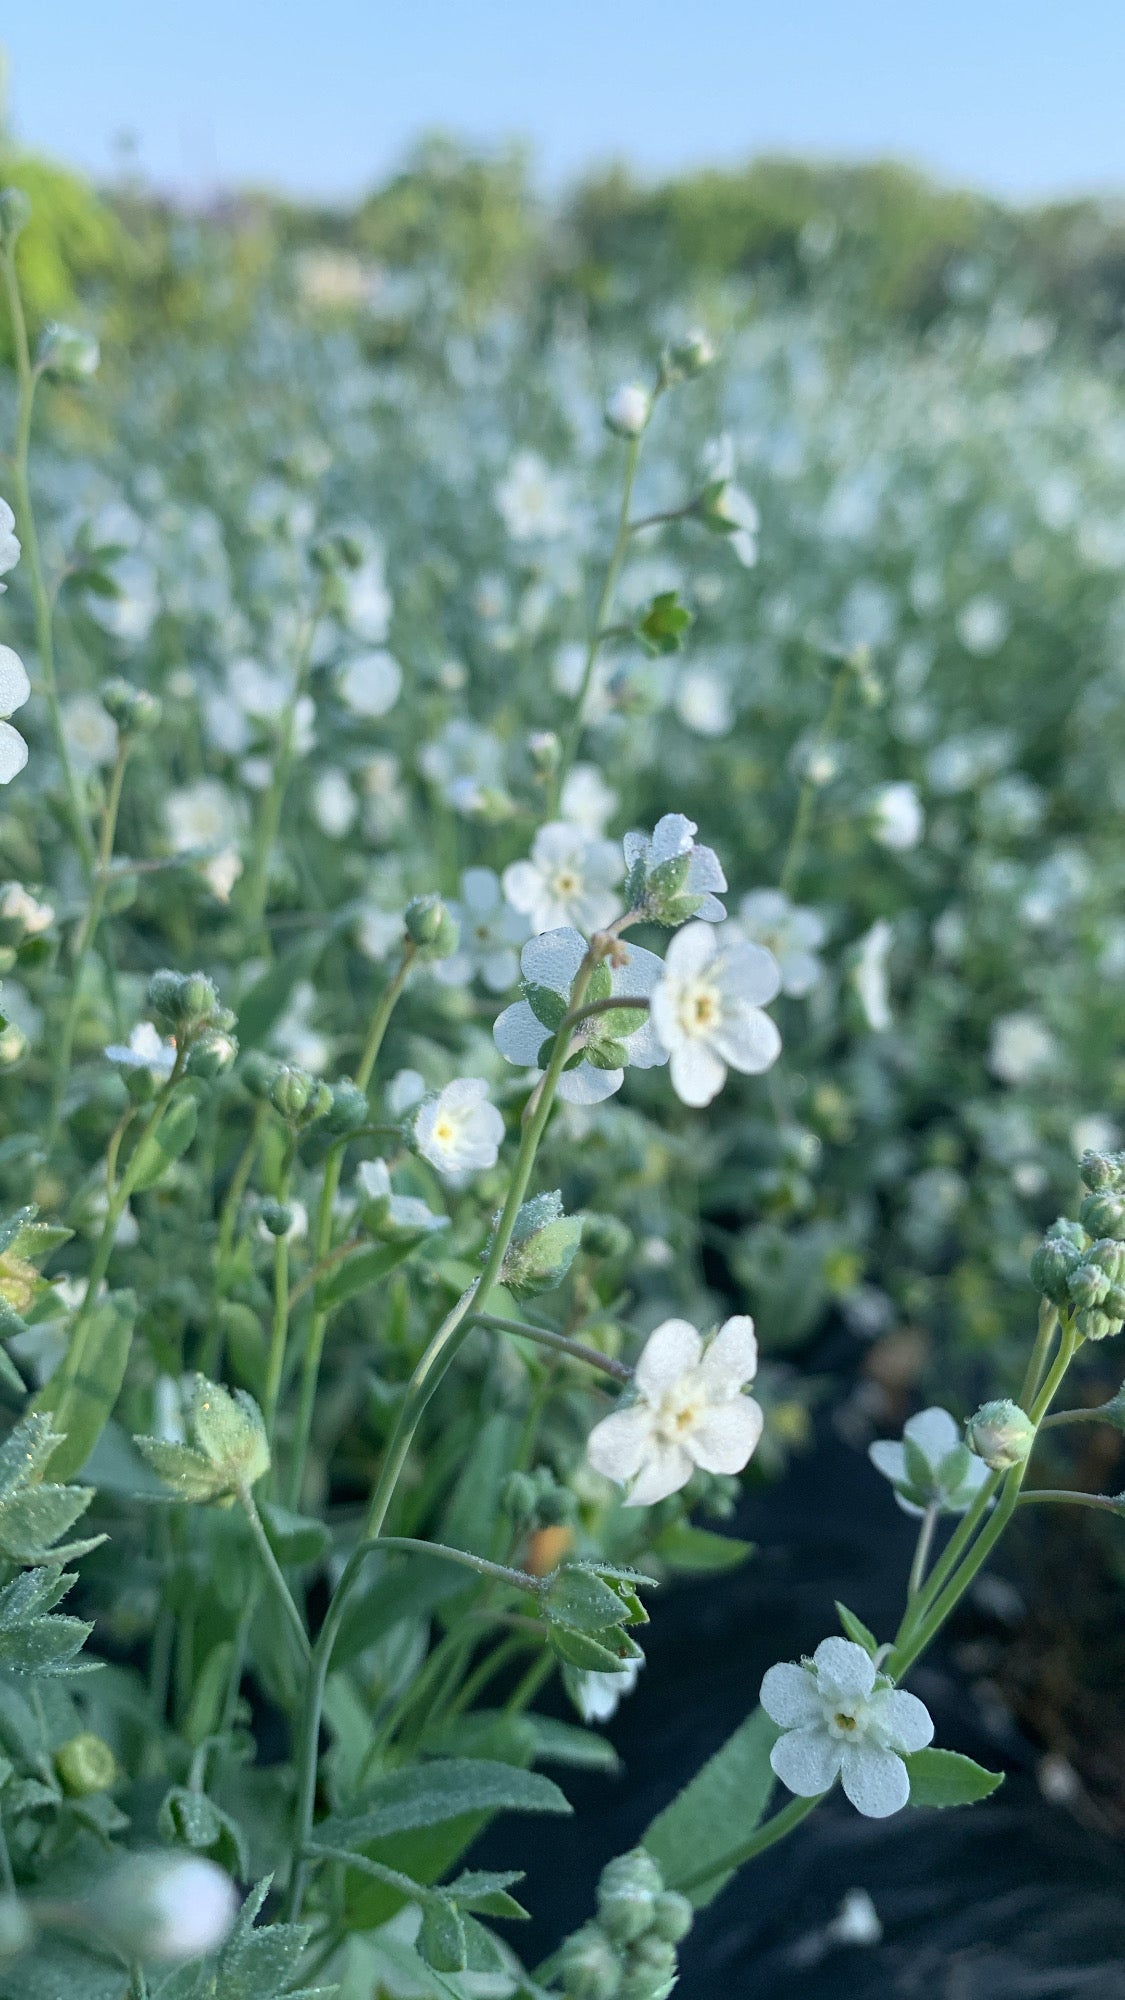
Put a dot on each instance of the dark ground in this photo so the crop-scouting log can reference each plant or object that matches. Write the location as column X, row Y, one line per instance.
column 1014, row 1899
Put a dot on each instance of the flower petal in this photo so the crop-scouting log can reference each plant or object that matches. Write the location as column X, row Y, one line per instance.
column 480, row 889
column 691, row 949
column 751, row 971
column 13, row 753
column 670, row 1350
column 519, row 1036
column 807, row 1760
column 748, row 1040
column 587, row 1085
column 789, row 1696
column 523, row 885
column 665, row 1472
column 724, row 1437
column 553, row 958
column 904, row 1722
column 875, row 1781
column 934, row 1432
column 619, row 1445
column 887, row 1456
column 732, row 1357
column 697, row 1074
column 844, row 1668
column 14, row 684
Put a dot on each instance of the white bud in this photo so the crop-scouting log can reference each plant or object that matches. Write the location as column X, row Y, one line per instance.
column 628, row 409
column 166, row 1907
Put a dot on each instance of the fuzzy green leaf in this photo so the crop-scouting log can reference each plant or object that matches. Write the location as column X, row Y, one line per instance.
column 940, row 1778
column 722, row 1805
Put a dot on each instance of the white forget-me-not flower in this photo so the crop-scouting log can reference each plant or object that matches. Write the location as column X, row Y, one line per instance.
column 608, row 1043
column 842, row 1719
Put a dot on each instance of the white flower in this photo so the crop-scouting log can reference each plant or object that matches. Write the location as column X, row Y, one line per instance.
column 549, row 963
column 897, row 816
column 370, row 684
column 145, row 1049
column 673, row 840
column 395, row 1211
column 378, row 932
column 730, row 509
column 842, row 1719
column 406, row 1087
column 532, row 500
column 294, row 1036
column 707, row 1010
column 91, row 735
column 869, row 975
column 18, row 906
column 334, row 803
column 932, row 1467
column 794, row 936
column 170, row 1907
column 367, row 601
column 14, row 691
column 489, row 930
column 256, row 691
column 627, row 409
column 982, row 626
column 464, row 761
column 200, row 816
column 459, row 1129
column 598, row 1696
column 569, row 879
column 689, row 1411
column 702, row 701
column 222, row 872
column 1021, row 1048
column 586, row 800
column 9, row 541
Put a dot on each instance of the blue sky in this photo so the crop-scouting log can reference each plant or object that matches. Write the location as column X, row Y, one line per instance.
column 1018, row 96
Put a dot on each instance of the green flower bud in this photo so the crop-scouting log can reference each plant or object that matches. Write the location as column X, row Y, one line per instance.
column 1087, row 1285
column 132, row 708
column 605, row 1236
column 85, row 1764
column 349, row 1109
column 66, row 353
column 544, row 749
column 1002, row 1434
column 186, row 1003
column 430, row 927
column 672, row 1916
column 258, row 1071
column 298, row 1096
column 15, row 214
column 227, row 1452
column 687, row 357
column 1051, row 1265
column 210, row 1055
column 650, row 1970
column 543, row 1246
column 1103, row 1214
column 588, row 1965
column 519, row 1497
column 627, row 1894
column 277, row 1217
column 1096, row 1325
column 1102, row 1170
column 1108, row 1256
column 336, row 550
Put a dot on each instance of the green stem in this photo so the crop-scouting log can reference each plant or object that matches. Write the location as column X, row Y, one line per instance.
column 1106, row 1503
column 572, row 735
column 274, row 1571
column 279, row 1331
column 559, row 1343
column 322, row 1237
column 1048, row 1322
column 255, row 893
column 44, row 630
column 1104, row 1413
column 515, row 1579
column 87, row 935
column 806, row 798
column 775, row 1829
column 922, row 1551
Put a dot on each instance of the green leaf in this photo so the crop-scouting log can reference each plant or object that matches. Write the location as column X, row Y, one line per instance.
column 557, row 1742
column 721, row 1806
column 365, row 1268
column 578, row 1598
column 485, row 1892
column 603, row 1053
column 33, row 1515
column 441, row 1939
column 430, row 1794
column 662, row 628
column 940, row 1778
column 857, row 1630
column 600, row 984
column 158, row 1150
column 80, row 1395
column 257, row 1964
column 683, row 1546
column 607, row 1652
column 31, row 1641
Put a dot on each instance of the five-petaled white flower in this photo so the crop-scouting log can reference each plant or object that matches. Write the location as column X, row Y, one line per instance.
column 489, row 931
column 14, row 691
column 459, row 1129
column 932, row 1466
column 9, row 541
column 549, row 963
column 569, row 879
column 699, row 872
column 690, row 1411
column 794, row 935
column 707, row 1010
column 843, row 1719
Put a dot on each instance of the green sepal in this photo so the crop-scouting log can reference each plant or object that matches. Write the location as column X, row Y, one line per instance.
column 547, row 1006
column 856, row 1630
column 664, row 624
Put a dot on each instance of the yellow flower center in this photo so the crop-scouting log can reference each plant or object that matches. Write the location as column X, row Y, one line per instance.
column 700, row 1008
column 566, row 884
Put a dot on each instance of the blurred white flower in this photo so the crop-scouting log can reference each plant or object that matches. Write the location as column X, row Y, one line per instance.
column 367, row 601
column 731, row 509
column 201, row 815
column 690, row 1411
column 406, row 1087
column 841, row 1718
column 459, row 1129
column 586, row 800
column 982, row 626
column 627, row 409
column 568, row 880
column 378, row 932
column 702, row 701
column 599, row 1696
column 145, row 1049
column 698, row 870
column 533, row 500
column 9, row 541
column 221, row 873
column 707, row 1009
column 293, row 1035
column 334, row 803
column 394, row 1212
column 1022, row 1046
column 870, row 976
column 490, row 929
column 130, row 613
column 932, row 1466
column 90, row 734
column 18, row 906
column 549, row 963
column 794, row 935
column 897, row 816
column 370, row 683
column 465, row 762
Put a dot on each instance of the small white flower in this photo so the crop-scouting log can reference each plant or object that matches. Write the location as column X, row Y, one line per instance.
column 702, row 701
column 9, row 541
column 856, row 1922
column 145, row 1049
column 378, row 932
column 569, row 879
column 731, row 509
column 549, row 963
column 586, row 800
column 370, row 684
column 406, row 1087
column 459, row 1130
column 18, row 906
column 842, row 1719
column 170, row 1907
column 334, row 803
column 673, row 840
column 707, row 1010
column 982, row 626
column 203, row 815
column 15, row 689
column 690, row 1411
column 294, row 1035
column 598, row 1696
column 395, row 1212
column 794, row 936
column 367, row 601
column 931, row 1467
column 1022, row 1046
column 869, row 975
column 221, row 873
column 464, row 762
column 533, row 500
column 897, row 816
column 489, row 931
column 627, row 410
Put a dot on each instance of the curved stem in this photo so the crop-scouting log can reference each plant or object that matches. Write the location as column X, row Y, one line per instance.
column 515, row 1579
column 560, row 1343
column 922, row 1551
column 274, row 1571
column 1106, row 1503
column 1048, row 1323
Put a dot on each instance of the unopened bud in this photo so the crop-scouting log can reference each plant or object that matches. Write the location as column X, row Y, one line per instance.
column 672, row 1916
column 85, row 1764
column 165, row 1907
column 1002, row 1434
column 227, row 1450
column 544, row 749
column 1103, row 1214
column 297, row 1096
column 348, row 1110
column 1051, row 1265
column 650, row 1971
column 430, row 927
column 588, row 1965
column 687, row 357
column 1102, row 1170
column 628, row 410
column 627, row 1894
column 543, row 1246
column 66, row 353
column 277, row 1217
column 132, row 708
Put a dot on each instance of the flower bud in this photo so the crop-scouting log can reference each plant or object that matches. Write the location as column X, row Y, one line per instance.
column 588, row 1965
column 336, row 550
column 1088, row 1285
column 650, row 1971
column 606, row 1236
column 15, row 214
column 133, row 709
column 227, row 1451
column 258, row 1071
column 66, row 353
column 430, row 927
column 1093, row 1324
column 85, row 1764
column 211, row 1054
column 165, row 1907
column 1103, row 1214
column 186, row 1003
column 1102, row 1170
column 277, row 1217
column 1051, row 1264
column 348, row 1110
column 687, row 357
column 544, row 749
column 297, row 1096
column 543, row 1246
column 672, row 1916
column 1002, row 1434
column 627, row 1894
column 628, row 410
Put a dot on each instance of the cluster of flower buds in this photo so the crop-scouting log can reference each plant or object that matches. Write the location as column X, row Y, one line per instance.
column 431, row 927
column 543, row 1247
column 629, row 1951
column 1080, row 1265
column 536, row 1499
column 186, row 1006
column 133, row 709
column 227, row 1450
